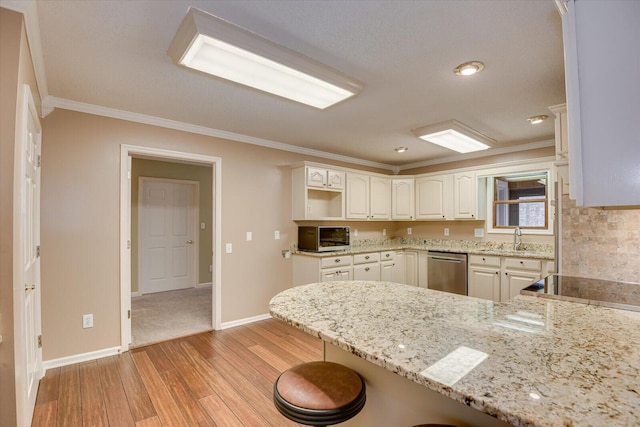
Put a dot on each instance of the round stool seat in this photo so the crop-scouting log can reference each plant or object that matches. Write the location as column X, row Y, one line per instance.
column 319, row 393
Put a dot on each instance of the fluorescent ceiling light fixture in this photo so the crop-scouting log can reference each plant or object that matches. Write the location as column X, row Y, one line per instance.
column 214, row 46
column 454, row 136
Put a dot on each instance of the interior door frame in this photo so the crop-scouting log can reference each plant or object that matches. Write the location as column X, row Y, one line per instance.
column 126, row 153
column 195, row 265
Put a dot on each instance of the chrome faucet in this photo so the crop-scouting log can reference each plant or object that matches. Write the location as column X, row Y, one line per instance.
column 517, row 240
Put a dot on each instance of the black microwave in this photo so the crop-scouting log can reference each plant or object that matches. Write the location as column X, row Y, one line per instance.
column 323, row 238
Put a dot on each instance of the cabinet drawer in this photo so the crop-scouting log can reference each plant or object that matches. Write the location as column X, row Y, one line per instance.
column 485, row 261
column 522, row 264
column 335, row 261
column 387, row 255
column 365, row 258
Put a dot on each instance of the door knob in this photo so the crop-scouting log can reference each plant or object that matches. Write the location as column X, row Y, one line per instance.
column 190, row 242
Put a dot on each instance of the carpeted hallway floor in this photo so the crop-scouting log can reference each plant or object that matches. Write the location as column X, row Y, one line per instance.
column 164, row 315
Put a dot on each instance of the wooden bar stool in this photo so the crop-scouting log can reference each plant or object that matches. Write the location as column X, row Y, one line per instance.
column 319, row 393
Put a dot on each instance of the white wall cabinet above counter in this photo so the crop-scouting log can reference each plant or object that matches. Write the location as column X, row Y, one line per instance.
column 603, row 100
column 368, row 197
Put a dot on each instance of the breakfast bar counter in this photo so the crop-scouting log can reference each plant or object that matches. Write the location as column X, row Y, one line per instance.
column 526, row 362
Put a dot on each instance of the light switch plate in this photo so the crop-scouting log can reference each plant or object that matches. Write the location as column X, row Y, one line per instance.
column 446, row 231
column 249, row 236
column 409, row 230
column 202, row 226
column 384, row 231
column 87, row 321
column 355, row 232
column 228, row 248
column 478, row 232
column 276, row 235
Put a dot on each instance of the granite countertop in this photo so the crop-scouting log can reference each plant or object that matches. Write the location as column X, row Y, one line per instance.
column 538, row 251
column 539, row 362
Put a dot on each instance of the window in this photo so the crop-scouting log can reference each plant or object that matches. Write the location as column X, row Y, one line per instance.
column 521, row 201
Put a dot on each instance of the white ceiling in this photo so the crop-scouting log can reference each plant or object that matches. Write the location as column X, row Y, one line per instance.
column 113, row 54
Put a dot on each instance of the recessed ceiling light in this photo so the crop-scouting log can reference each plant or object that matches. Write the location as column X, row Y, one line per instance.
column 454, row 136
column 534, row 120
column 214, row 46
column 469, row 68
column 401, row 149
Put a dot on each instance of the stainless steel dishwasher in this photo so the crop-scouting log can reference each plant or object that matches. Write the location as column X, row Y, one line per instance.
column 447, row 272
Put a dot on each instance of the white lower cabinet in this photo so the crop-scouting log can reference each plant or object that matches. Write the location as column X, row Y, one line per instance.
column 388, row 266
column 484, row 277
column 502, row 278
column 411, row 268
column 314, row 269
column 366, row 266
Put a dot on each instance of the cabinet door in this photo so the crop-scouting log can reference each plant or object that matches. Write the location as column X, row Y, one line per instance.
column 515, row 281
column 484, row 283
column 387, row 271
column 367, row 271
column 316, row 177
column 380, row 198
column 465, row 195
column 402, row 199
column 433, row 197
column 335, row 274
column 335, row 180
column 400, row 272
column 411, row 268
column 357, row 196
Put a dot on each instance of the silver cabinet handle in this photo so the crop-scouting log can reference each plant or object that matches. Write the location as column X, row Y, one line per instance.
column 366, row 269
column 337, row 259
column 189, row 242
column 367, row 257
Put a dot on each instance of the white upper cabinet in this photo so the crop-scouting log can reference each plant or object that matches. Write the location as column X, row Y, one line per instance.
column 317, row 194
column 325, row 178
column 434, row 197
column 465, row 195
column 380, row 198
column 402, row 199
column 603, row 101
column 368, row 197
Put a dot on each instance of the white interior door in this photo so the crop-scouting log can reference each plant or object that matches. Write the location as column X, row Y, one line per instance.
column 27, row 324
column 168, row 216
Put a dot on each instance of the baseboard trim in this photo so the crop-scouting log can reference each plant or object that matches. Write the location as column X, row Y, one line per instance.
column 204, row 285
column 79, row 358
column 136, row 294
column 239, row 322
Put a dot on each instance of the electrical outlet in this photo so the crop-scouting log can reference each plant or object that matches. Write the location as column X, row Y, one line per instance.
column 87, row 321
column 355, row 232
column 384, row 231
column 478, row 232
column 409, row 231
column 276, row 235
column 446, row 231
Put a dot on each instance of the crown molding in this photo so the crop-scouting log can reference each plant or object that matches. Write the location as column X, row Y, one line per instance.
column 29, row 10
column 479, row 154
column 51, row 102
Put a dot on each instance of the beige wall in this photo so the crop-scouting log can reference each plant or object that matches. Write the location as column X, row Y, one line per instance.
column 80, row 225
column 160, row 169
column 600, row 243
column 16, row 69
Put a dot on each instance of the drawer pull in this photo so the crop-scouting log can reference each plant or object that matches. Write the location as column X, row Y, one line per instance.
column 367, row 257
column 366, row 269
column 388, row 255
column 337, row 259
column 483, row 259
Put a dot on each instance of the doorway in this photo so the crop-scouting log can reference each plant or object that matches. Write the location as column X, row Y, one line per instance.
column 206, row 226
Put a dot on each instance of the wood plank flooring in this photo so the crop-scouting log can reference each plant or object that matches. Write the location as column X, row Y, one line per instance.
column 219, row 378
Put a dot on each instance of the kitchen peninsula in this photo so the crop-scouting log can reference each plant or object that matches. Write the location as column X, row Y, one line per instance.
column 429, row 356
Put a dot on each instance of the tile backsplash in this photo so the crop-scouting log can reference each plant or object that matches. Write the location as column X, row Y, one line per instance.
column 600, row 243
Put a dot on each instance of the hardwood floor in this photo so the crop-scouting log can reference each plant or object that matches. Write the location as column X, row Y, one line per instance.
column 219, row 378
